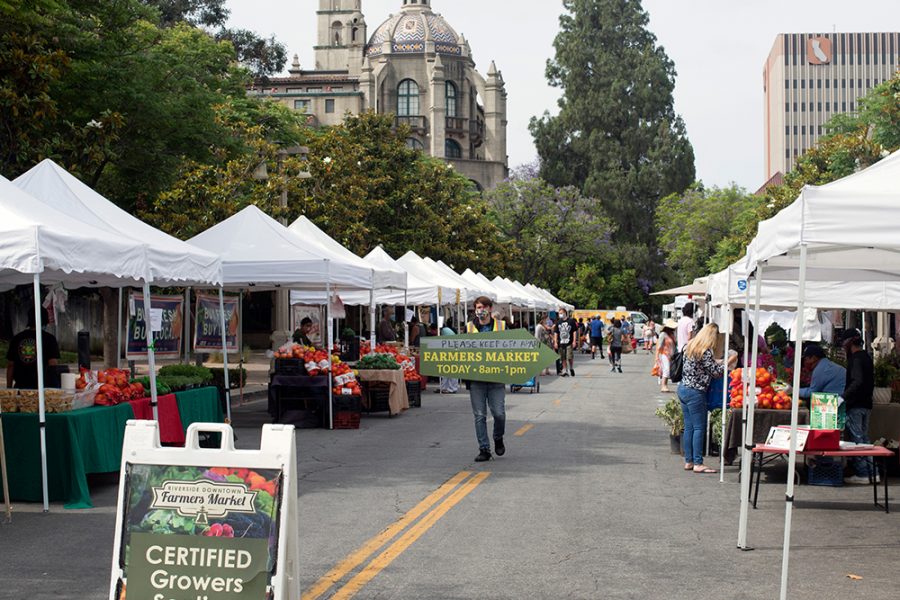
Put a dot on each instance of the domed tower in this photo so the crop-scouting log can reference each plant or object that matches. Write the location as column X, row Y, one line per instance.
column 419, row 68
column 342, row 36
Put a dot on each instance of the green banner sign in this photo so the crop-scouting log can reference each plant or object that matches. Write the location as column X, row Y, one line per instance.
column 500, row 356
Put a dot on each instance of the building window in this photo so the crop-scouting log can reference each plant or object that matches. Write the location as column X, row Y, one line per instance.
column 313, row 90
column 415, row 144
column 452, row 149
column 301, row 105
column 408, row 98
column 787, row 129
column 336, row 33
column 802, row 84
column 452, row 99
column 787, row 84
column 329, row 105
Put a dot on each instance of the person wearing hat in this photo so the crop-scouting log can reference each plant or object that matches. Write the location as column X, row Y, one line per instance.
column 860, row 384
column 826, row 376
column 665, row 349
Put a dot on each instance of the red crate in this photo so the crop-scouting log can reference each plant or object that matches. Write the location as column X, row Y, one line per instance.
column 346, row 420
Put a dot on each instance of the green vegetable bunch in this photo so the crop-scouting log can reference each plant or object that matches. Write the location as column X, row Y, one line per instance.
column 378, row 361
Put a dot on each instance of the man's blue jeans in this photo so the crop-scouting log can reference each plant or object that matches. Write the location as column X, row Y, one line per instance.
column 858, row 431
column 693, row 407
column 486, row 396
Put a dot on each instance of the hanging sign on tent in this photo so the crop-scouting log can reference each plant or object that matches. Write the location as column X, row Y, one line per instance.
column 208, row 324
column 167, row 339
column 742, row 285
column 500, row 357
column 209, row 524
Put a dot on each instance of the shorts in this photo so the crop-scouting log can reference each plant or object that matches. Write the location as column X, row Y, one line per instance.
column 566, row 352
column 596, row 341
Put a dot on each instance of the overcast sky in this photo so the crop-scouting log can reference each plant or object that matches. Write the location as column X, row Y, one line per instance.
column 718, row 46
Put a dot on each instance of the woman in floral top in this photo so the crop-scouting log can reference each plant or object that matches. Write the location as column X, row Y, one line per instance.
column 700, row 368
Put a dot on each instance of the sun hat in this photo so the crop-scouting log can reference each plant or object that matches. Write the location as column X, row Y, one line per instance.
column 670, row 324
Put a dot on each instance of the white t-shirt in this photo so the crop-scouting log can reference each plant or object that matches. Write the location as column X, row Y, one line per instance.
column 685, row 326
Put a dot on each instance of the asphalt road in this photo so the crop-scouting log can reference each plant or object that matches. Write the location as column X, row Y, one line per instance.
column 587, row 503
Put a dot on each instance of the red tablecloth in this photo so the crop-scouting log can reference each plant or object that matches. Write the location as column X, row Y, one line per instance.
column 170, row 428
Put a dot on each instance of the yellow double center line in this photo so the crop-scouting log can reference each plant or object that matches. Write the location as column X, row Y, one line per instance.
column 378, row 564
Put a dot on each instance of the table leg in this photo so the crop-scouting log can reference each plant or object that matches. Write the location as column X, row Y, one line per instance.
column 759, row 464
column 873, row 477
column 884, row 475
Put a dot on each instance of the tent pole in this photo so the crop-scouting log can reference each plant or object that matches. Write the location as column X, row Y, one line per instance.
column 240, row 345
column 406, row 322
column 119, row 334
column 151, row 354
column 795, row 404
column 224, row 355
column 3, row 472
column 42, row 415
column 328, row 343
column 186, row 325
column 750, row 402
column 372, row 320
column 726, row 318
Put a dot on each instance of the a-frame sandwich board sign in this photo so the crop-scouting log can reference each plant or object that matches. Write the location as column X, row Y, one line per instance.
column 206, row 523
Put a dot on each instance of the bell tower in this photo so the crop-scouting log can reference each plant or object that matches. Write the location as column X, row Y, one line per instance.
column 342, row 36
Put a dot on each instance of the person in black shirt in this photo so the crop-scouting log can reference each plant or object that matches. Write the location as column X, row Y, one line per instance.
column 301, row 335
column 858, row 401
column 21, row 366
column 565, row 337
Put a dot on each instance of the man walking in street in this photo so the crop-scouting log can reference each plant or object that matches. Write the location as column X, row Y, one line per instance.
column 485, row 394
column 565, row 333
column 596, row 336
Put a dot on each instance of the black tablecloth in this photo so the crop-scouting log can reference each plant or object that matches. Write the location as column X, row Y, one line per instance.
column 764, row 419
column 298, row 399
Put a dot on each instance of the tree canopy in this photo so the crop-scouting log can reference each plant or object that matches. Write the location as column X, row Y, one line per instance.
column 616, row 137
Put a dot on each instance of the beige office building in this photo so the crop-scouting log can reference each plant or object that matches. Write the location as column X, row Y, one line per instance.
column 810, row 77
column 413, row 65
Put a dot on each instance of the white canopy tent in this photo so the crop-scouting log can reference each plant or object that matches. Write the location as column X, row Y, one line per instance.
column 842, row 231
column 415, row 265
column 38, row 243
column 382, row 278
column 259, row 252
column 170, row 261
column 555, row 302
column 539, row 302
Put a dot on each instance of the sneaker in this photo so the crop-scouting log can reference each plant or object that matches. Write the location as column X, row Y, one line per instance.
column 612, row 370
column 564, row 374
column 499, row 448
column 483, row 455
column 572, row 372
column 860, row 480
column 620, row 369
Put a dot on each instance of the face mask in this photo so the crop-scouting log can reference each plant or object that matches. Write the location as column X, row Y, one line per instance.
column 562, row 316
column 482, row 313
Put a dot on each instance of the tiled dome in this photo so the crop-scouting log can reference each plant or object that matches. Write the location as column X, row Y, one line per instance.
column 408, row 32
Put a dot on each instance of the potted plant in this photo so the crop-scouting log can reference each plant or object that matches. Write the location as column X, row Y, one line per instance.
column 885, row 373
column 671, row 415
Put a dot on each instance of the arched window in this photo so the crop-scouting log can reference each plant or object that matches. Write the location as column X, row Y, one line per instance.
column 408, row 98
column 415, row 144
column 353, row 33
column 336, row 28
column 452, row 100
column 452, row 149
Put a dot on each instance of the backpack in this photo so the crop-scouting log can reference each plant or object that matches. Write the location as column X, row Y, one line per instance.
column 676, row 367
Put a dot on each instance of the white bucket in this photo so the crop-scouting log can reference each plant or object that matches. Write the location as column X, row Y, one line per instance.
column 67, row 380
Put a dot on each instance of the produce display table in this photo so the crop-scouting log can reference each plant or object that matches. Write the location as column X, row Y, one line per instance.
column 764, row 419
column 87, row 440
column 876, row 452
column 398, row 399
column 288, row 393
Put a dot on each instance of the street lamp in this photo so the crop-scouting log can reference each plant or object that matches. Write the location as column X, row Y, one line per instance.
column 282, row 296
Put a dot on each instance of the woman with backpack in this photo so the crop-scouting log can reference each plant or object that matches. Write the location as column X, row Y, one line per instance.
column 700, row 368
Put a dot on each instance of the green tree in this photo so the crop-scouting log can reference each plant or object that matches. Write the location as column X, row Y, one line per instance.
column 616, row 137
column 692, row 224
column 551, row 230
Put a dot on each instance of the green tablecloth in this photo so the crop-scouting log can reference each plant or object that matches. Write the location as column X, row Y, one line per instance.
column 199, row 406
column 79, row 442
column 88, row 440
